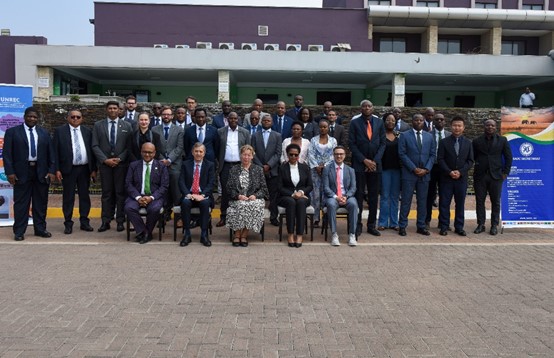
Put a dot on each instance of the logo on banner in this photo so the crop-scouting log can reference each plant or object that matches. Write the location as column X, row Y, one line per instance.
column 526, row 149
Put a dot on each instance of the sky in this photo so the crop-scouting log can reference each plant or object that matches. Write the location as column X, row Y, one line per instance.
column 66, row 22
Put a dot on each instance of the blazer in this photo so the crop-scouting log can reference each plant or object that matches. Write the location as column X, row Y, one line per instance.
column 330, row 181
column 292, row 112
column 449, row 161
column 286, row 187
column 16, row 154
column 256, row 185
column 339, row 134
column 173, row 146
column 248, row 127
column 211, row 141
column 270, row 155
column 311, row 129
column 219, row 121
column 154, row 138
column 496, row 159
column 101, row 141
column 412, row 157
column 244, row 138
column 363, row 148
column 207, row 179
column 246, row 119
column 63, row 148
column 287, row 126
column 153, row 122
column 159, row 179
column 403, row 126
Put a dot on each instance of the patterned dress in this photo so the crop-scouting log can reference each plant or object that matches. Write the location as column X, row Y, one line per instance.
column 319, row 154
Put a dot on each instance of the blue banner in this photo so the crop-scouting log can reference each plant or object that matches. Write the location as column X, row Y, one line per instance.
column 528, row 193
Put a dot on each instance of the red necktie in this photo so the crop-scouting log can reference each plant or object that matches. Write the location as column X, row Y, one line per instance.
column 196, row 181
column 339, row 191
column 369, row 130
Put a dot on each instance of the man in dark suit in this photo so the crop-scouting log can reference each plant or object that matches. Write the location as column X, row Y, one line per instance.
column 131, row 114
column 220, row 120
column 147, row 182
column 345, row 197
column 493, row 162
column 203, row 133
column 111, row 143
column 295, row 111
column 367, row 143
column 429, row 116
column 268, row 146
column 156, row 118
column 455, row 158
column 417, row 151
column 401, row 126
column 336, row 130
column 75, row 166
column 231, row 139
column 281, row 122
column 191, row 107
column 28, row 156
column 254, row 125
column 197, row 192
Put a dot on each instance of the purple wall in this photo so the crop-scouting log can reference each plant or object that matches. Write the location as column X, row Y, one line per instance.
column 7, row 54
column 186, row 24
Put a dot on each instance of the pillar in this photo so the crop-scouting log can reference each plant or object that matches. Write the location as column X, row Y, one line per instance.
column 398, row 97
column 44, row 83
column 223, row 86
column 491, row 41
column 430, row 39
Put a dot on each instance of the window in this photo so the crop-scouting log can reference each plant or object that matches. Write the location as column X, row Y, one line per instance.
column 513, row 48
column 379, row 2
column 485, row 5
column 532, row 7
column 391, row 44
column 449, row 46
column 427, row 3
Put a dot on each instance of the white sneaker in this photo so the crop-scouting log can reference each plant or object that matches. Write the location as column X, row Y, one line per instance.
column 352, row 240
column 335, row 239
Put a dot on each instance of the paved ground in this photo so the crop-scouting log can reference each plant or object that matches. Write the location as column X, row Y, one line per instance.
column 96, row 295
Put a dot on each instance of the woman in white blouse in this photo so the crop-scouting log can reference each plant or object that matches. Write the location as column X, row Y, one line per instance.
column 304, row 144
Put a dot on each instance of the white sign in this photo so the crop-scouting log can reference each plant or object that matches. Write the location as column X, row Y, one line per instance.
column 44, row 82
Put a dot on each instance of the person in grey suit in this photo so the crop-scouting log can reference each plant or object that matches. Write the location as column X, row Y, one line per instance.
column 231, row 139
column 268, row 146
column 417, row 152
column 341, row 194
column 131, row 114
column 111, row 140
column 401, row 126
column 171, row 136
column 336, row 130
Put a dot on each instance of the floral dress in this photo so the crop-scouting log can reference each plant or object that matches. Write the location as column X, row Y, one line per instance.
column 319, row 154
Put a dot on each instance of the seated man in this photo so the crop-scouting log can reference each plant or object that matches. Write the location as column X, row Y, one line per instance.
column 339, row 190
column 147, row 183
column 196, row 184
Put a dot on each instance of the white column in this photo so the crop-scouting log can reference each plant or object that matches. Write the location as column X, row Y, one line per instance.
column 398, row 90
column 223, row 86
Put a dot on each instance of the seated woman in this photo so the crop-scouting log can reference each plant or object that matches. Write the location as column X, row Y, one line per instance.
column 247, row 193
column 297, row 129
column 142, row 135
column 295, row 185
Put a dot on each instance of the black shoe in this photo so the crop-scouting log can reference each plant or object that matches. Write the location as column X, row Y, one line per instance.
column 186, row 240
column 480, row 228
column 274, row 222
column 298, row 244
column 205, row 241
column 68, row 229
column 427, row 225
column 373, row 231
column 104, row 227
column 461, row 232
column 443, row 232
column 423, row 232
column 139, row 237
column 220, row 223
column 402, row 231
column 19, row 237
column 45, row 234
column 146, row 239
column 120, row 227
column 435, row 204
column 292, row 244
column 494, row 230
column 236, row 243
column 244, row 243
column 86, row 227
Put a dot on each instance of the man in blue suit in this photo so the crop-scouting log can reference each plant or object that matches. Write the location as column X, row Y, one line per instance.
column 367, row 143
column 339, row 190
column 281, row 122
column 203, row 133
column 416, row 149
column 29, row 165
column 254, row 126
column 220, row 120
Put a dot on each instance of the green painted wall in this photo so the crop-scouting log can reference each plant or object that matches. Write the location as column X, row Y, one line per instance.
column 247, row 95
column 171, row 94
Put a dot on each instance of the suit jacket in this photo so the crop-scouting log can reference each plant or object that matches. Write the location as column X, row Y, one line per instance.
column 173, row 146
column 159, row 179
column 293, row 113
column 153, row 138
column 63, row 148
column 449, row 161
column 286, row 186
column 153, row 122
column 246, row 119
column 218, row 121
column 329, row 176
column 311, row 129
column 101, row 141
column 287, row 125
column 249, row 128
column 16, row 154
column 412, row 157
column 403, row 126
column 207, row 179
column 270, row 155
column 363, row 148
column 339, row 134
column 211, row 141
column 134, row 121
column 496, row 159
column 244, row 138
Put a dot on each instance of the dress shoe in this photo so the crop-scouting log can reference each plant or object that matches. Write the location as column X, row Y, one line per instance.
column 68, row 229
column 186, row 240
column 237, row 243
column 19, row 237
column 205, row 241
column 44, row 234
column 494, row 230
column 381, row 228
column 298, row 244
column 358, row 229
column 427, row 225
column 120, row 227
column 443, row 232
column 243, row 242
column 139, row 237
column 461, row 232
column 86, row 227
column 402, row 231
column 220, row 223
column 373, row 231
column 480, row 228
column 395, row 228
column 274, row 222
column 423, row 232
column 146, row 239
column 104, row 227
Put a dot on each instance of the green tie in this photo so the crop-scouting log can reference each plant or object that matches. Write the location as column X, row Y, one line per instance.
column 147, row 180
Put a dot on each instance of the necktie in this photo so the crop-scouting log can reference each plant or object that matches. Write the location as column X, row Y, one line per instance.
column 266, row 138
column 280, row 124
column 166, row 132
column 200, row 135
column 78, row 156
column 196, row 180
column 440, row 136
column 112, row 136
column 158, row 122
column 419, row 145
column 147, row 180
column 369, row 130
column 332, row 131
column 339, row 190
column 457, row 146
column 33, row 145
column 253, row 129
column 130, row 117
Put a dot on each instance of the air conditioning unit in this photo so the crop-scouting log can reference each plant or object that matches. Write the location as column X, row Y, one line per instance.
column 205, row 45
column 341, row 47
column 335, row 48
column 315, row 48
column 226, row 46
column 248, row 46
column 182, row 46
column 160, row 46
column 271, row 47
column 294, row 47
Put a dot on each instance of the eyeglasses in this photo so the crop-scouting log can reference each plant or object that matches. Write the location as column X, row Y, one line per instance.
column 147, row 153
column 75, row 117
column 293, row 154
column 156, row 107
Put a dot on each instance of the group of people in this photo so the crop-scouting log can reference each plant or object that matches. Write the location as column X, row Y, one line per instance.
column 291, row 158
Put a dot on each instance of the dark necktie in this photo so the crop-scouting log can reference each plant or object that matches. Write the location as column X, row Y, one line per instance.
column 419, row 145
column 112, row 136
column 280, row 124
column 457, row 146
column 166, row 132
column 33, row 145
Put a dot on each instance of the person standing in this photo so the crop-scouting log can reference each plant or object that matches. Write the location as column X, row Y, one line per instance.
column 493, row 162
column 527, row 98
column 75, row 167
column 28, row 156
column 455, row 158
